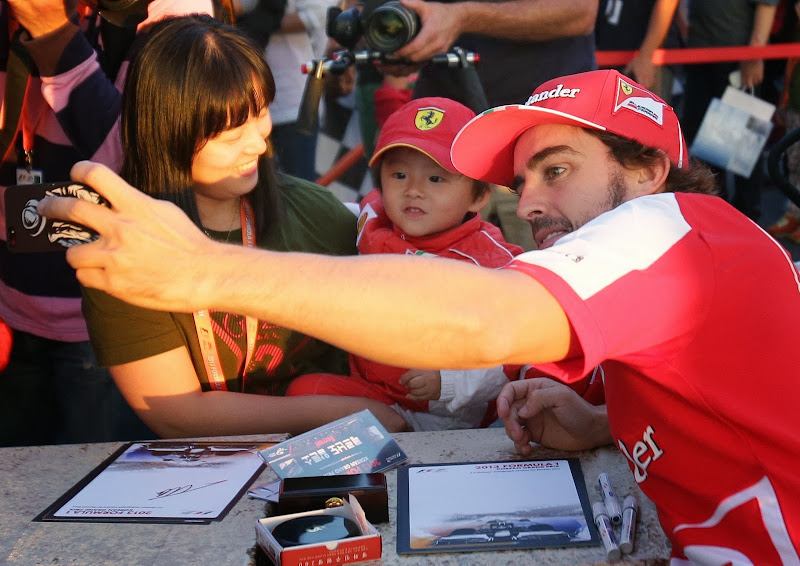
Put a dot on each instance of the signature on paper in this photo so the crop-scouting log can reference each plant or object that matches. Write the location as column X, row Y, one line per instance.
column 182, row 489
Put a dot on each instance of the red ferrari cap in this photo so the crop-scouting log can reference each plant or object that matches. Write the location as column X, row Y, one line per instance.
column 428, row 125
column 600, row 100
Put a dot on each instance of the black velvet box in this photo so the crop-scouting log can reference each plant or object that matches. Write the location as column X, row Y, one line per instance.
column 311, row 493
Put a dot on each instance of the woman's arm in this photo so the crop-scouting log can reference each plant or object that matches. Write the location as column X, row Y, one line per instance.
column 163, row 390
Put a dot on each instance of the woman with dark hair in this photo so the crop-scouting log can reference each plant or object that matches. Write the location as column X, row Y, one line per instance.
column 195, row 127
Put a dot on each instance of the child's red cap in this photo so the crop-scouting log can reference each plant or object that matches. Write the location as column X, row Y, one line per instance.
column 428, row 125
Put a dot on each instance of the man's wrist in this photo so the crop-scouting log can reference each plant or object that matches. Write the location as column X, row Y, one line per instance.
column 600, row 431
column 210, row 288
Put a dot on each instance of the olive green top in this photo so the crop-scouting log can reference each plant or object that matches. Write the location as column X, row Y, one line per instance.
column 315, row 221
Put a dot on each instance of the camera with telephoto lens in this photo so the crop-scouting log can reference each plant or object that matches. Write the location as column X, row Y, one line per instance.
column 386, row 25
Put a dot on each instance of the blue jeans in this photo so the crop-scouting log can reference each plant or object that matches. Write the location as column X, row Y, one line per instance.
column 295, row 153
column 54, row 393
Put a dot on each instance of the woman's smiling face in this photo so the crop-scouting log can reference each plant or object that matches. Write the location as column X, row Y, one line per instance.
column 227, row 164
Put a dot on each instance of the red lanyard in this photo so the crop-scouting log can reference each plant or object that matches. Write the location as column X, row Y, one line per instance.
column 32, row 112
column 203, row 324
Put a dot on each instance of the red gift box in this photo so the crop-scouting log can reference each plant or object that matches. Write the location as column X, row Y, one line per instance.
column 365, row 546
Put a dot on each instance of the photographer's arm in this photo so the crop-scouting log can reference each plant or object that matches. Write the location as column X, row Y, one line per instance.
column 67, row 63
column 407, row 311
column 178, row 408
column 520, row 20
column 76, row 89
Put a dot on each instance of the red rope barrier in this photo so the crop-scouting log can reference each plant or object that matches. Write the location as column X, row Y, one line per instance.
column 702, row 54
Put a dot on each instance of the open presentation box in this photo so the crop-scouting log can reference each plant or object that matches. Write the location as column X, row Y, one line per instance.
column 358, row 548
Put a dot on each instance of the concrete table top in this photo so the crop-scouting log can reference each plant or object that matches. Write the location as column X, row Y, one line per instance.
column 34, row 477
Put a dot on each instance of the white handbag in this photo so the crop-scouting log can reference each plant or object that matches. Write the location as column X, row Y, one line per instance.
column 734, row 131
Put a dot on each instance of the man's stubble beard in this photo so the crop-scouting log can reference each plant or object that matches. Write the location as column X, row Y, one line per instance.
column 616, row 194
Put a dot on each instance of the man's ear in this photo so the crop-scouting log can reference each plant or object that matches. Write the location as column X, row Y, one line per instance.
column 650, row 179
column 480, row 202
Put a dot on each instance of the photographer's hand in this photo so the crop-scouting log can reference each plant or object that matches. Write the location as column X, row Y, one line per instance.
column 338, row 84
column 398, row 70
column 441, row 27
column 41, row 17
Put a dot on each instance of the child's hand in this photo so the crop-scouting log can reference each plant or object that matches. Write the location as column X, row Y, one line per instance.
column 423, row 385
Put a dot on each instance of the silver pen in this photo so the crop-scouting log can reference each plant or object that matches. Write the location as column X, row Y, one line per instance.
column 603, row 524
column 630, row 509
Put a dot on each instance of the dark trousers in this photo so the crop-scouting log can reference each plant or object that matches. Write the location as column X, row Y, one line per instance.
column 295, row 153
column 54, row 393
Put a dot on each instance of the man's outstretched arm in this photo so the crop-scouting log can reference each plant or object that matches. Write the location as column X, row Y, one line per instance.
column 411, row 311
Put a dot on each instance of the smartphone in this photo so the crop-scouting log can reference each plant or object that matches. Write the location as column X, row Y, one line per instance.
column 27, row 231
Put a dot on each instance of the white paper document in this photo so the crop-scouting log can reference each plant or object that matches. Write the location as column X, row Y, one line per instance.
column 163, row 482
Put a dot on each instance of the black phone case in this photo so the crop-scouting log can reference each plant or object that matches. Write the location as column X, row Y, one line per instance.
column 27, row 231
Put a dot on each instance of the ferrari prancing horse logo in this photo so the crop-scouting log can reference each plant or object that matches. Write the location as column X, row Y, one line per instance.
column 428, row 118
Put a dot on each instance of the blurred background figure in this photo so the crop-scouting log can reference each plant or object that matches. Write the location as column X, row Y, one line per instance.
column 788, row 225
column 725, row 23
column 643, row 26
column 53, row 389
column 292, row 33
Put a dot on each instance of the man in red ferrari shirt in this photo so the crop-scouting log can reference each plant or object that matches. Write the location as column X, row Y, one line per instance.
column 688, row 306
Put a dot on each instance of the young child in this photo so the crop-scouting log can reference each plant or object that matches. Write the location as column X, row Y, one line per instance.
column 423, row 206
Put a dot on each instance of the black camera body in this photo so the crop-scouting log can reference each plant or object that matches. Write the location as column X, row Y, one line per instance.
column 386, row 25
